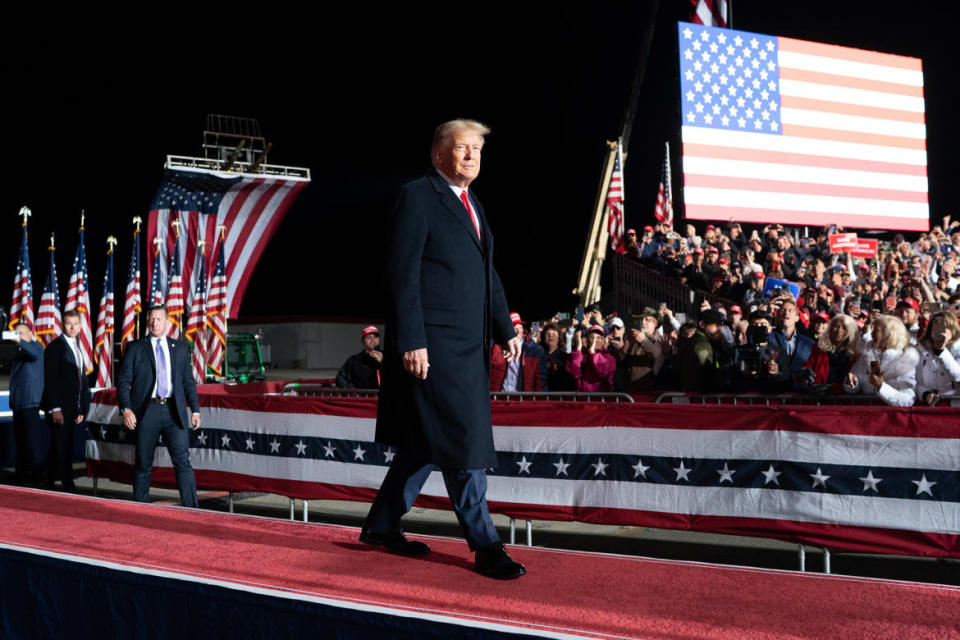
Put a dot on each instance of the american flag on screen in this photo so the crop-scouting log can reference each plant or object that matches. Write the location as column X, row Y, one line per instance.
column 783, row 130
column 196, row 331
column 251, row 207
column 174, row 286
column 712, row 13
column 131, row 302
column 615, row 203
column 663, row 211
column 21, row 307
column 49, row 321
column 78, row 299
column 103, row 342
column 217, row 313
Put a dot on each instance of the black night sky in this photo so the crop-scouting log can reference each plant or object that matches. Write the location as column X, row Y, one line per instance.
column 354, row 96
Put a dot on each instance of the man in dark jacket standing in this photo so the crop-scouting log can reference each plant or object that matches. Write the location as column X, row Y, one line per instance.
column 362, row 370
column 26, row 392
column 66, row 398
column 445, row 306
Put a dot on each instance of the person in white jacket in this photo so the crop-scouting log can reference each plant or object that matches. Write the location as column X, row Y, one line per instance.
column 887, row 366
column 938, row 372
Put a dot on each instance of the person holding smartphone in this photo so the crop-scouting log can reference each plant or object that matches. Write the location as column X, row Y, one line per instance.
column 887, row 366
column 938, row 373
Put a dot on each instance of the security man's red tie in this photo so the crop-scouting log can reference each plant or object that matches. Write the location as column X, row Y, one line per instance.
column 466, row 202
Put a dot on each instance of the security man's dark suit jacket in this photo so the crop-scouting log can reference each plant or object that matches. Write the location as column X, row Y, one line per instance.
column 63, row 387
column 138, row 371
column 443, row 294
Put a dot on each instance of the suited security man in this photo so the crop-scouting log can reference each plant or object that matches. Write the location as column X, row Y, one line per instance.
column 445, row 306
column 154, row 386
column 66, row 398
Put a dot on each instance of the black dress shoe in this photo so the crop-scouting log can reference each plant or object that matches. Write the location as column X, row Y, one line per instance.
column 495, row 562
column 395, row 542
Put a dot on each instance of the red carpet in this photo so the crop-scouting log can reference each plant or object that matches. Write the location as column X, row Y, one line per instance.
column 565, row 593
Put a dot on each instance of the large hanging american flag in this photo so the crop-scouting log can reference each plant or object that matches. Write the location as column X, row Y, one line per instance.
column 78, row 299
column 663, row 212
column 712, row 13
column 782, row 130
column 217, row 313
column 103, row 349
column 250, row 206
column 615, row 202
column 197, row 321
column 174, row 286
column 49, row 321
column 131, row 301
column 21, row 308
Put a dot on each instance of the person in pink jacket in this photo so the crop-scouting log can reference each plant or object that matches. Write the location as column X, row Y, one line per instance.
column 592, row 366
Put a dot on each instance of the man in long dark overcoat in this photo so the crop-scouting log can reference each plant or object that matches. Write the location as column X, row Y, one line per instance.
column 445, row 307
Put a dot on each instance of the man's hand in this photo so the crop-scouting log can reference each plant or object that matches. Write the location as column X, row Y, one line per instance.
column 377, row 355
column 57, row 417
column 852, row 379
column 415, row 362
column 773, row 368
column 129, row 419
column 512, row 349
column 79, row 419
column 195, row 421
column 876, row 380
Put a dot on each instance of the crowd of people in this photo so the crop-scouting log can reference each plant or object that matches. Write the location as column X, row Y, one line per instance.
column 884, row 326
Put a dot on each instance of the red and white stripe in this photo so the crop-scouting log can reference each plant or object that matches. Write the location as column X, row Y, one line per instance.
column 217, row 319
column 49, row 322
column 852, row 150
column 615, row 203
column 251, row 211
column 103, row 350
column 712, row 13
column 663, row 211
column 131, row 300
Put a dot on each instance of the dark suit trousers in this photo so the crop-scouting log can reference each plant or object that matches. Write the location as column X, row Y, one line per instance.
column 26, row 424
column 467, row 489
column 159, row 419
column 60, row 457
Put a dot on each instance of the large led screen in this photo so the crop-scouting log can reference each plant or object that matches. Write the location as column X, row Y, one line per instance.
column 795, row 132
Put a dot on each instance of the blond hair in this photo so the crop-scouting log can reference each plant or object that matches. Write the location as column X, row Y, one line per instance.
column 895, row 334
column 853, row 335
column 449, row 129
column 951, row 321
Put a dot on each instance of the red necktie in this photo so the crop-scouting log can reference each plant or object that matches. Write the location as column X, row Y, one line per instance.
column 466, row 202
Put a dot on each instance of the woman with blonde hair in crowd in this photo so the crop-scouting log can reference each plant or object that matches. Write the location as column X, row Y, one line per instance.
column 887, row 366
column 833, row 354
column 939, row 369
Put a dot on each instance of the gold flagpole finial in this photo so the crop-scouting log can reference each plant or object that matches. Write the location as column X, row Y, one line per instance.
column 137, row 220
column 51, row 240
column 25, row 213
column 176, row 227
column 112, row 241
column 202, row 245
column 83, row 218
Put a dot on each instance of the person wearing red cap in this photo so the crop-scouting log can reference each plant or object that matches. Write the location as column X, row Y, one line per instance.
column 592, row 366
column 527, row 373
column 908, row 310
column 362, row 370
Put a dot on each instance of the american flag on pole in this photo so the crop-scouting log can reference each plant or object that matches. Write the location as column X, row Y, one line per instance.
column 49, row 321
column 131, row 302
column 712, row 13
column 217, row 313
column 78, row 299
column 250, row 206
column 21, row 308
column 197, row 321
column 663, row 212
column 615, row 203
column 782, row 130
column 103, row 350
column 174, row 286
column 156, row 277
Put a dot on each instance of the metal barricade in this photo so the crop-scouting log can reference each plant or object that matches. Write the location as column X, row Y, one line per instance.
column 325, row 391
column 636, row 286
column 766, row 399
column 556, row 396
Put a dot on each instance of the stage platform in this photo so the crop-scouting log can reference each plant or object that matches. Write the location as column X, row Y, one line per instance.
column 81, row 567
